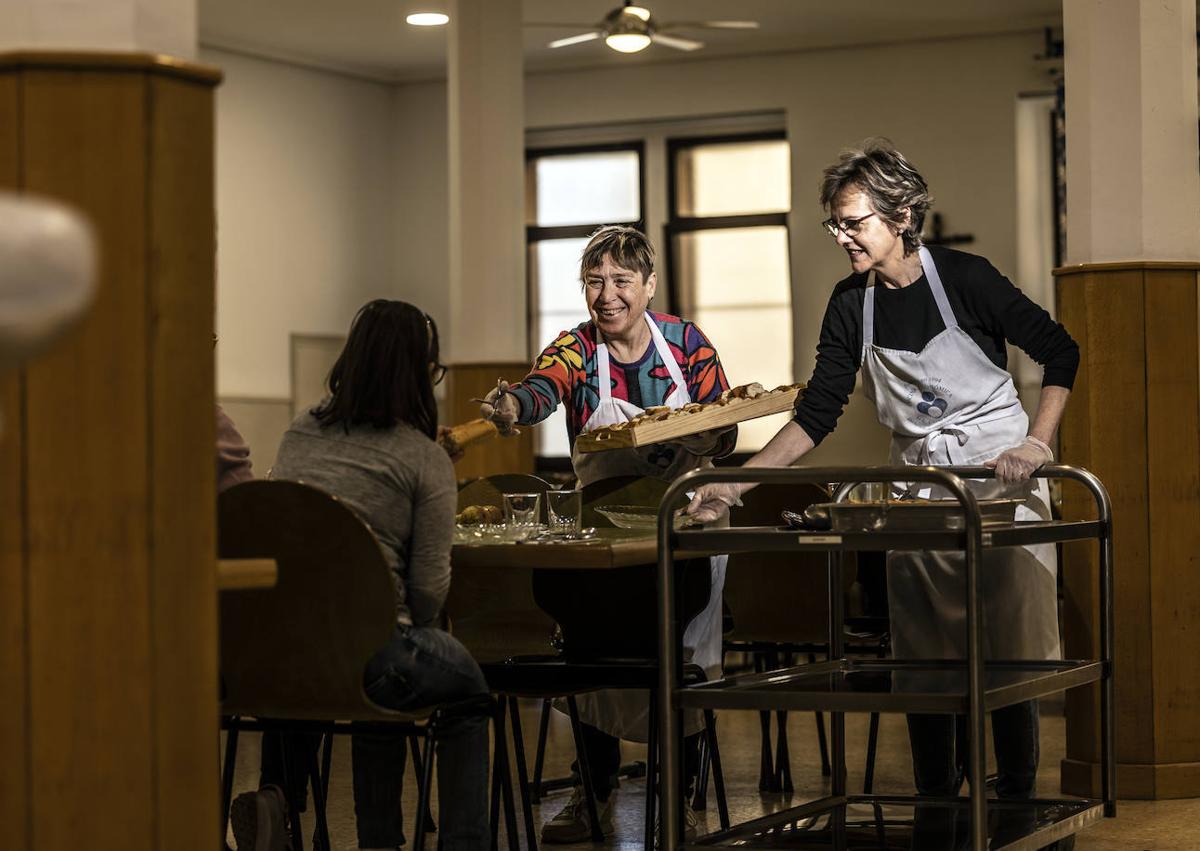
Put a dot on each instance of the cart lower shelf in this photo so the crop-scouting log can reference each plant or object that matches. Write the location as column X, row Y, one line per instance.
column 893, row 685
column 882, row 823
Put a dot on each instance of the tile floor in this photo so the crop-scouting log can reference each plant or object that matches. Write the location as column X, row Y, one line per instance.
column 1140, row 825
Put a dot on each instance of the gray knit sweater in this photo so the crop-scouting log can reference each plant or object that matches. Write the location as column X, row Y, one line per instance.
column 401, row 483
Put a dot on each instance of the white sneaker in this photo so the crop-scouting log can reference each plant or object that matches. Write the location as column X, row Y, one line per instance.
column 572, row 823
column 691, row 825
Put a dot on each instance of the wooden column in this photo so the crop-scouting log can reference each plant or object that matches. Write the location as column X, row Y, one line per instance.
column 108, row 677
column 1134, row 420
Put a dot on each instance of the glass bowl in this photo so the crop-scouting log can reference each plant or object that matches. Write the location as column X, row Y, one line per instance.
column 643, row 517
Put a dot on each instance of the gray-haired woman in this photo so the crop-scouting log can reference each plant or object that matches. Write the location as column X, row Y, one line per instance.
column 927, row 327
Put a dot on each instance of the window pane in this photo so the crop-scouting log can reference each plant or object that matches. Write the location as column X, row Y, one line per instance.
column 735, row 178
column 558, row 306
column 738, row 290
column 577, row 189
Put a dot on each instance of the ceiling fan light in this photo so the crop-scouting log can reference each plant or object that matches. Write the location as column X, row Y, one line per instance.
column 638, row 12
column 428, row 19
column 628, row 42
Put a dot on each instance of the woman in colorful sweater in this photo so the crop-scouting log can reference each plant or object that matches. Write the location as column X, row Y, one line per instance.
column 608, row 370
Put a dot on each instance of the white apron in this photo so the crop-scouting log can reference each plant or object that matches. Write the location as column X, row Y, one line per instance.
column 624, row 713
column 950, row 405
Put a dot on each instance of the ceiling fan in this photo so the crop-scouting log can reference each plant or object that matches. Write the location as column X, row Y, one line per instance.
column 630, row 28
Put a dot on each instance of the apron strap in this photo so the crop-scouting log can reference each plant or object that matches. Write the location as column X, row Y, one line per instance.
column 869, row 312
column 664, row 353
column 602, row 372
column 935, row 286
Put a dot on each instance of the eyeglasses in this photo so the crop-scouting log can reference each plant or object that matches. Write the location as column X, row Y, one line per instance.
column 436, row 373
column 850, row 227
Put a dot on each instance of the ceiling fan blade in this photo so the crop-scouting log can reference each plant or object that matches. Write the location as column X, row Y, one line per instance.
column 712, row 25
column 575, row 39
column 558, row 25
column 676, row 42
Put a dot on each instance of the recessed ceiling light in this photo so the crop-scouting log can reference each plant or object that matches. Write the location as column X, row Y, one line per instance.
column 428, row 19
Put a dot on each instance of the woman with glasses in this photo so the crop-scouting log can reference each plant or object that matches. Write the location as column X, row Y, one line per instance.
column 371, row 443
column 928, row 327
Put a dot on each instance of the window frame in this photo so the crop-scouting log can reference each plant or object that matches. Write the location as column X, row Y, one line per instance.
column 541, row 233
column 676, row 225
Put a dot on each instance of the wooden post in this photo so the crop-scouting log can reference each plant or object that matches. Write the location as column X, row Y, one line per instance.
column 108, row 670
column 1134, row 420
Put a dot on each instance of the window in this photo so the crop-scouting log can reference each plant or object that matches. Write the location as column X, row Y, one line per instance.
column 569, row 193
column 727, row 239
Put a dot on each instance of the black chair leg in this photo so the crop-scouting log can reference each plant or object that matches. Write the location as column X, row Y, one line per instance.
column 503, row 771
column 872, row 743
column 822, row 745
column 522, row 773
column 651, row 770
column 783, row 757
column 326, row 764
column 321, row 833
column 766, row 769
column 585, row 774
column 539, row 761
column 427, row 758
column 494, row 803
column 297, row 830
column 710, row 727
column 419, row 773
column 231, row 738
column 700, row 799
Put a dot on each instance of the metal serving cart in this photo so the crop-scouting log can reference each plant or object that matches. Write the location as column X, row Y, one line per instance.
column 971, row 687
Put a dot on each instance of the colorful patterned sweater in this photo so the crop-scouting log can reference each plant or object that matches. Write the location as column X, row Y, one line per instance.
column 566, row 371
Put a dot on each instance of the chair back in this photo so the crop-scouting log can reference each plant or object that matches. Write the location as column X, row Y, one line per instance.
column 298, row 650
column 490, row 490
column 491, row 609
column 621, row 490
column 773, row 596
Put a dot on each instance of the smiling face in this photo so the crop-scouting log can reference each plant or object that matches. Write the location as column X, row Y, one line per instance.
column 617, row 298
column 876, row 244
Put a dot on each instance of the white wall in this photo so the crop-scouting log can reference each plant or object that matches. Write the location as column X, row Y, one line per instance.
column 421, row 200
column 948, row 104
column 306, row 212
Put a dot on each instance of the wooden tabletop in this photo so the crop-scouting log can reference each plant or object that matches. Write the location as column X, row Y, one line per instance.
column 610, row 548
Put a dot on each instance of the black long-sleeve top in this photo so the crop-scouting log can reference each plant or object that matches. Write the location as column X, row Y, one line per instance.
column 986, row 304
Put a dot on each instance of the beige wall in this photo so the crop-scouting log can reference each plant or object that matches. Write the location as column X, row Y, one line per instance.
column 305, row 212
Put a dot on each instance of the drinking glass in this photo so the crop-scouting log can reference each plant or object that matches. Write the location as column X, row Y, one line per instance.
column 564, row 510
column 522, row 513
column 867, row 492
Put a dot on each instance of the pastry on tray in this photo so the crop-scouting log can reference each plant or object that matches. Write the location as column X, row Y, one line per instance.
column 660, row 423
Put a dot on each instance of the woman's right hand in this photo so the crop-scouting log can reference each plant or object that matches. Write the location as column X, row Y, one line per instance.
column 713, row 501
column 500, row 407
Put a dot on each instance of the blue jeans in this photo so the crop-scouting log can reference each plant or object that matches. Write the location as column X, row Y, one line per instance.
column 939, row 751
column 422, row 667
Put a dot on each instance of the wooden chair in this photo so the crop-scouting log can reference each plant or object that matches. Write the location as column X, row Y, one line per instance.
column 779, row 603
column 292, row 656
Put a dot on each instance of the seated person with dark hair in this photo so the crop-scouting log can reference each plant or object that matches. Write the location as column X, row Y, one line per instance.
column 371, row 443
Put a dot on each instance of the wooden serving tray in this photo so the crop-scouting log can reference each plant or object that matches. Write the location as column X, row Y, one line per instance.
column 682, row 424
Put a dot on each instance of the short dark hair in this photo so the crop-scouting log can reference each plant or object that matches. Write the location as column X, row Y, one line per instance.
column 891, row 183
column 628, row 247
column 381, row 378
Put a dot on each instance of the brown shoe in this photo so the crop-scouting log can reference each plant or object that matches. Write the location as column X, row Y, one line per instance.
column 260, row 821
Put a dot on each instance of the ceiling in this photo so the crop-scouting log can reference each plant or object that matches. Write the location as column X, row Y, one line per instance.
column 370, row 38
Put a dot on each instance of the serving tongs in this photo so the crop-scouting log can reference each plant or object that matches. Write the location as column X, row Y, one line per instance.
column 505, row 429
